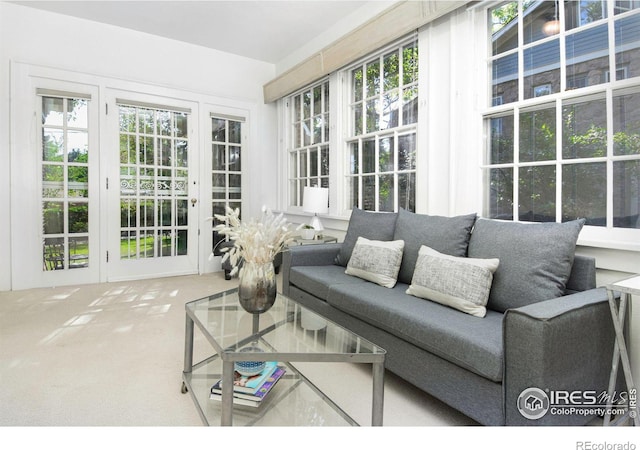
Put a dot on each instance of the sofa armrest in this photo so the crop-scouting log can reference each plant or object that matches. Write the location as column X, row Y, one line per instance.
column 561, row 344
column 307, row 255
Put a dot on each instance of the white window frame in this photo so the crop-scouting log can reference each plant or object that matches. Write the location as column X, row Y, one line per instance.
column 351, row 138
column 597, row 236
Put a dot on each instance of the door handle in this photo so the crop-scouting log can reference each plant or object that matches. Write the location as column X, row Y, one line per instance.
column 194, row 201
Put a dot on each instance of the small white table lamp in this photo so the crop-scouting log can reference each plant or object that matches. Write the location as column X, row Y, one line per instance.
column 315, row 200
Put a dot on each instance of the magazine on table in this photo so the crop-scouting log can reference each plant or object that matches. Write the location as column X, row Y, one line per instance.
column 254, row 399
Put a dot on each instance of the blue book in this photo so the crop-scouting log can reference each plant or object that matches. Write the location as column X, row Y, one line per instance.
column 250, row 384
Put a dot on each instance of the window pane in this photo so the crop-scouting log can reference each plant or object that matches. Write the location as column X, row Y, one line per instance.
column 626, row 124
column 77, row 181
column 369, row 156
column 626, row 194
column 409, row 105
column 53, row 217
column 217, row 157
column 313, row 163
column 505, row 78
column 538, row 135
column 500, row 195
column 354, row 192
column 584, row 193
column 540, row 22
column 324, row 161
column 78, row 252
column 373, row 78
column 627, row 32
column 386, row 194
column 410, row 64
column 52, row 145
column 386, row 154
column 587, row 57
column 369, row 193
column 542, row 67
column 623, row 6
column 52, row 111
column 354, row 160
column 537, row 194
column 234, row 132
column 583, row 12
column 235, row 162
column 501, row 144
column 407, row 152
column 407, row 191
column 78, row 113
column 391, row 71
column 358, row 85
column 585, row 130
column 503, row 22
column 390, row 110
column 219, row 186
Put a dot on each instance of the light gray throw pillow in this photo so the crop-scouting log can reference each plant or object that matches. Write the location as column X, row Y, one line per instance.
column 459, row 282
column 376, row 261
column 448, row 235
column 535, row 259
column 371, row 225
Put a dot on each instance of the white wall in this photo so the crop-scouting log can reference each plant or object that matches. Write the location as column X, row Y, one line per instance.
column 55, row 41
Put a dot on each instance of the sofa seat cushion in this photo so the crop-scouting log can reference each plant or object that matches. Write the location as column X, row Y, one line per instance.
column 318, row 279
column 471, row 342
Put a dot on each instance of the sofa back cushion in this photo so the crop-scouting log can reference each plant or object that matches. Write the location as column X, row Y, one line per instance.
column 448, row 235
column 371, row 225
column 535, row 259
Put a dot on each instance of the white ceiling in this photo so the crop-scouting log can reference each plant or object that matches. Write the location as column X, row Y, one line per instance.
column 264, row 30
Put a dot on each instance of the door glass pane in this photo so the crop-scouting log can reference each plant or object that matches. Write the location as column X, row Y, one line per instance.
column 153, row 183
column 65, row 183
column 226, row 172
column 627, row 39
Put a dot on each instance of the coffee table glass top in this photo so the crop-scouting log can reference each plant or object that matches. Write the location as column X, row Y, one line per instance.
column 288, row 333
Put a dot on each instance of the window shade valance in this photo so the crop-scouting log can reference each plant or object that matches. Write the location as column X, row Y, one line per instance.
column 383, row 29
column 61, row 94
column 124, row 102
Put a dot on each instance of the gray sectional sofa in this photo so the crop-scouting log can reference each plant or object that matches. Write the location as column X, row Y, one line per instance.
column 545, row 324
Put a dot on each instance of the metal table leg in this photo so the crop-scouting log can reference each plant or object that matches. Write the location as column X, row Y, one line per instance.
column 378, row 394
column 227, row 394
column 620, row 354
column 188, row 349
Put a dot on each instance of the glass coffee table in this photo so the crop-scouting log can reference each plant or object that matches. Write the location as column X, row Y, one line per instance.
column 288, row 333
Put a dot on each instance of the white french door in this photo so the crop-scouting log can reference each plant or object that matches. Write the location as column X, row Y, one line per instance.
column 153, row 188
column 111, row 180
column 55, row 198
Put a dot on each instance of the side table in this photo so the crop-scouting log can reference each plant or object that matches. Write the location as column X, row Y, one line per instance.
column 324, row 239
column 627, row 288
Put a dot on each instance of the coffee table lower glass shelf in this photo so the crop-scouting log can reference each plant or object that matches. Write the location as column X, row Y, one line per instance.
column 289, row 334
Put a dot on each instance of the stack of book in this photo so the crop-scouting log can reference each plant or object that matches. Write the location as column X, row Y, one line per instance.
column 251, row 391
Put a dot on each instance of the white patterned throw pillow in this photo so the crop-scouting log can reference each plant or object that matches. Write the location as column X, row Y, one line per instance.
column 458, row 282
column 376, row 261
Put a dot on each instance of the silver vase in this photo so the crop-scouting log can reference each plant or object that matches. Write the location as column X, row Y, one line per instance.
column 257, row 289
